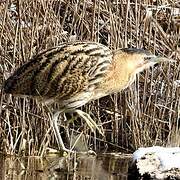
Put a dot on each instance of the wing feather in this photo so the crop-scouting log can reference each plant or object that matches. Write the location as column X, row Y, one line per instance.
column 62, row 72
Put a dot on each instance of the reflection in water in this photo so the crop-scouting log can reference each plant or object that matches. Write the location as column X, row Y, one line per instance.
column 80, row 167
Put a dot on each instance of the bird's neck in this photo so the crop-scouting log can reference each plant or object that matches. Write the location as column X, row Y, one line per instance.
column 118, row 77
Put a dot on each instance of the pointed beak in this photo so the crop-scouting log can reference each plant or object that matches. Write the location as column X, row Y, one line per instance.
column 158, row 59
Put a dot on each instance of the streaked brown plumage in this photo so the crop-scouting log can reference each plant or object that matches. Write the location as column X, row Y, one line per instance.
column 75, row 73
column 64, row 74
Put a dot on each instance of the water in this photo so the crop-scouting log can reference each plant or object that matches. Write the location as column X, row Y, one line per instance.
column 78, row 167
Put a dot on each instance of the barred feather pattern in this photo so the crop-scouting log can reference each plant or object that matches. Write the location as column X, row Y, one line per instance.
column 68, row 74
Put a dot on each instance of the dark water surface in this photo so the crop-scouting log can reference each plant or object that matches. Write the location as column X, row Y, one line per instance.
column 78, row 167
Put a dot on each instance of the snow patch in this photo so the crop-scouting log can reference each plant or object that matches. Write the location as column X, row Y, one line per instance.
column 169, row 156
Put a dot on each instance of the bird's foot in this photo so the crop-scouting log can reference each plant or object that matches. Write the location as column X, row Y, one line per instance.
column 90, row 122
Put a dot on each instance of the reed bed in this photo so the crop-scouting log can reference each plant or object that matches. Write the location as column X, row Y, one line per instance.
column 145, row 114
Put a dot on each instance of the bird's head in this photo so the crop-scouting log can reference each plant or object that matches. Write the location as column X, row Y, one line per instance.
column 137, row 60
column 131, row 61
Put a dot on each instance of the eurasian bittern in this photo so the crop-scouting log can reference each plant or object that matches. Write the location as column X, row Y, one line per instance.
column 75, row 73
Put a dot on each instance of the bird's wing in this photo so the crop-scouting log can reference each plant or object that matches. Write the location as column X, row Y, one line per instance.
column 64, row 70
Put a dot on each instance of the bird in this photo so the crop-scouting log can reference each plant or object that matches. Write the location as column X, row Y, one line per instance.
column 75, row 73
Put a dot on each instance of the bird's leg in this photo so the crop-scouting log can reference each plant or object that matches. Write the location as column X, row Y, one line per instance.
column 57, row 133
column 90, row 122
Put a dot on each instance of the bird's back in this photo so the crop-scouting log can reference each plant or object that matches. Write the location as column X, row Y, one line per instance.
column 62, row 72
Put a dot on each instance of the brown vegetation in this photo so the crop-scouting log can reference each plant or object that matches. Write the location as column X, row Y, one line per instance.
column 145, row 114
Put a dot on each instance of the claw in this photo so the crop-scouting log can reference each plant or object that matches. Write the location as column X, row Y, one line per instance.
column 90, row 122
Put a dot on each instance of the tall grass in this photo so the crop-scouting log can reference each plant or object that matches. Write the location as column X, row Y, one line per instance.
column 145, row 114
